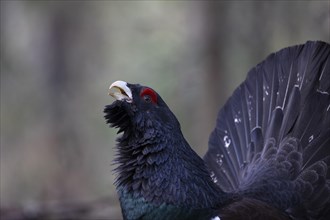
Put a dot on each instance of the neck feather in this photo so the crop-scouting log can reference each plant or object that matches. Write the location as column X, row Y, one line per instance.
column 165, row 170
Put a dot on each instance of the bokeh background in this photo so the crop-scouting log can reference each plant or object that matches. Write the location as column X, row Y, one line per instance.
column 58, row 59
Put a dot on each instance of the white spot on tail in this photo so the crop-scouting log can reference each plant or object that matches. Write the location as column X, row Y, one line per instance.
column 219, row 159
column 227, row 141
column 216, row 218
column 214, row 178
column 322, row 92
column 310, row 138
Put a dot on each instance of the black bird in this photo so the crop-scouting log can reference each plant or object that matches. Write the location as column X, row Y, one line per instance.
column 268, row 155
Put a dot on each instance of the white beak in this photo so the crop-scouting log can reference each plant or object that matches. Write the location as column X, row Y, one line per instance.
column 122, row 91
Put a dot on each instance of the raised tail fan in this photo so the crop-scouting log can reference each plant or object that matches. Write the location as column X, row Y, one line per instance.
column 272, row 137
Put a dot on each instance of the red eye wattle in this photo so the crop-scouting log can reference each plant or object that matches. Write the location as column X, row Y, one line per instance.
column 149, row 95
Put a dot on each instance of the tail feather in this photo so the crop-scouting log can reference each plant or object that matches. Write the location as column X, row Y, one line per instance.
column 291, row 112
column 271, row 87
column 274, row 125
column 272, row 138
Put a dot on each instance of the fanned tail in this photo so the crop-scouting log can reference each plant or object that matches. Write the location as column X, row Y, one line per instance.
column 272, row 138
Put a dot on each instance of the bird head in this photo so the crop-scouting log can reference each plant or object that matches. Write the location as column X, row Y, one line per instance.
column 138, row 108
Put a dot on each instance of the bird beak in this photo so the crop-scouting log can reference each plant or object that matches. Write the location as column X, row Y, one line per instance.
column 120, row 91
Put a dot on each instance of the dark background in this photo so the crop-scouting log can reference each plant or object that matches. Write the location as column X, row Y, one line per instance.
column 58, row 59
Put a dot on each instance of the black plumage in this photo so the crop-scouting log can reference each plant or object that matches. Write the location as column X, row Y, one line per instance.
column 268, row 156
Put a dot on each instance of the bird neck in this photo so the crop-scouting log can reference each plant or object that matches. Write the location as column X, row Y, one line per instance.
column 158, row 171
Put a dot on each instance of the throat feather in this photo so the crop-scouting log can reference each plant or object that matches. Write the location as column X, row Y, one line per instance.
column 163, row 172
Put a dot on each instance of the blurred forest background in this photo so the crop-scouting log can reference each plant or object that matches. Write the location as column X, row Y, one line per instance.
column 58, row 59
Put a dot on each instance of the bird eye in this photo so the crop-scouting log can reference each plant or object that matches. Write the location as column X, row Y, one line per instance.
column 149, row 95
column 147, row 98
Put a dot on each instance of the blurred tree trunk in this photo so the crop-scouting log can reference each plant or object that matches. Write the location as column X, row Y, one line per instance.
column 215, row 28
column 61, row 80
column 258, row 47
